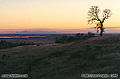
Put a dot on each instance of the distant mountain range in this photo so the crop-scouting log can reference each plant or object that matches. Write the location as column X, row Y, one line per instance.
column 36, row 32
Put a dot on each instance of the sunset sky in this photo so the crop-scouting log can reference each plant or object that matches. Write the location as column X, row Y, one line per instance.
column 55, row 15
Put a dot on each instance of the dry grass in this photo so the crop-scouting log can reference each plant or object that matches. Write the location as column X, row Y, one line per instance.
column 63, row 61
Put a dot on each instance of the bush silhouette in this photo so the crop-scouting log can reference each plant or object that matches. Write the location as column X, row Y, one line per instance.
column 64, row 38
column 70, row 39
column 77, row 36
column 90, row 34
column 5, row 44
column 82, row 34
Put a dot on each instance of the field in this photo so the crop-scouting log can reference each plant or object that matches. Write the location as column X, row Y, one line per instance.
column 50, row 60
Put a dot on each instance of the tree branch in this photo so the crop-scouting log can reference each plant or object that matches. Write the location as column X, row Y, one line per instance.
column 97, row 17
column 103, row 19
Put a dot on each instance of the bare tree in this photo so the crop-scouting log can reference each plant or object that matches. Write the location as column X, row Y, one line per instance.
column 94, row 18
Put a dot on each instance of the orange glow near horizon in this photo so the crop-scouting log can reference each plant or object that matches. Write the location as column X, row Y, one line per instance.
column 16, row 15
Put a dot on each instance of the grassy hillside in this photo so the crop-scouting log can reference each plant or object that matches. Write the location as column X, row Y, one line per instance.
column 63, row 61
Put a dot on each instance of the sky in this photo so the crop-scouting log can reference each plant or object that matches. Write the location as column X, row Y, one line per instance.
column 55, row 15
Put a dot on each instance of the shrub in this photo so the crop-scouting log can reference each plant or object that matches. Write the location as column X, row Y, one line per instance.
column 64, row 38
column 82, row 34
column 77, row 36
column 90, row 34
column 4, row 56
column 38, row 45
column 70, row 39
column 5, row 44
column 58, row 40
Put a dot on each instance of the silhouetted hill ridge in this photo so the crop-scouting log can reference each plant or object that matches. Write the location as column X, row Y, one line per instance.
column 36, row 32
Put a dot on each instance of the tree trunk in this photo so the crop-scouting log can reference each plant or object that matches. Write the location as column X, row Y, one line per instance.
column 101, row 32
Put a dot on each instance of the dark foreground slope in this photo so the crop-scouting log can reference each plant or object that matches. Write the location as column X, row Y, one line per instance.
column 63, row 61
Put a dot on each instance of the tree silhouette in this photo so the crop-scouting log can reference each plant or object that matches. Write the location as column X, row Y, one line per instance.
column 94, row 18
